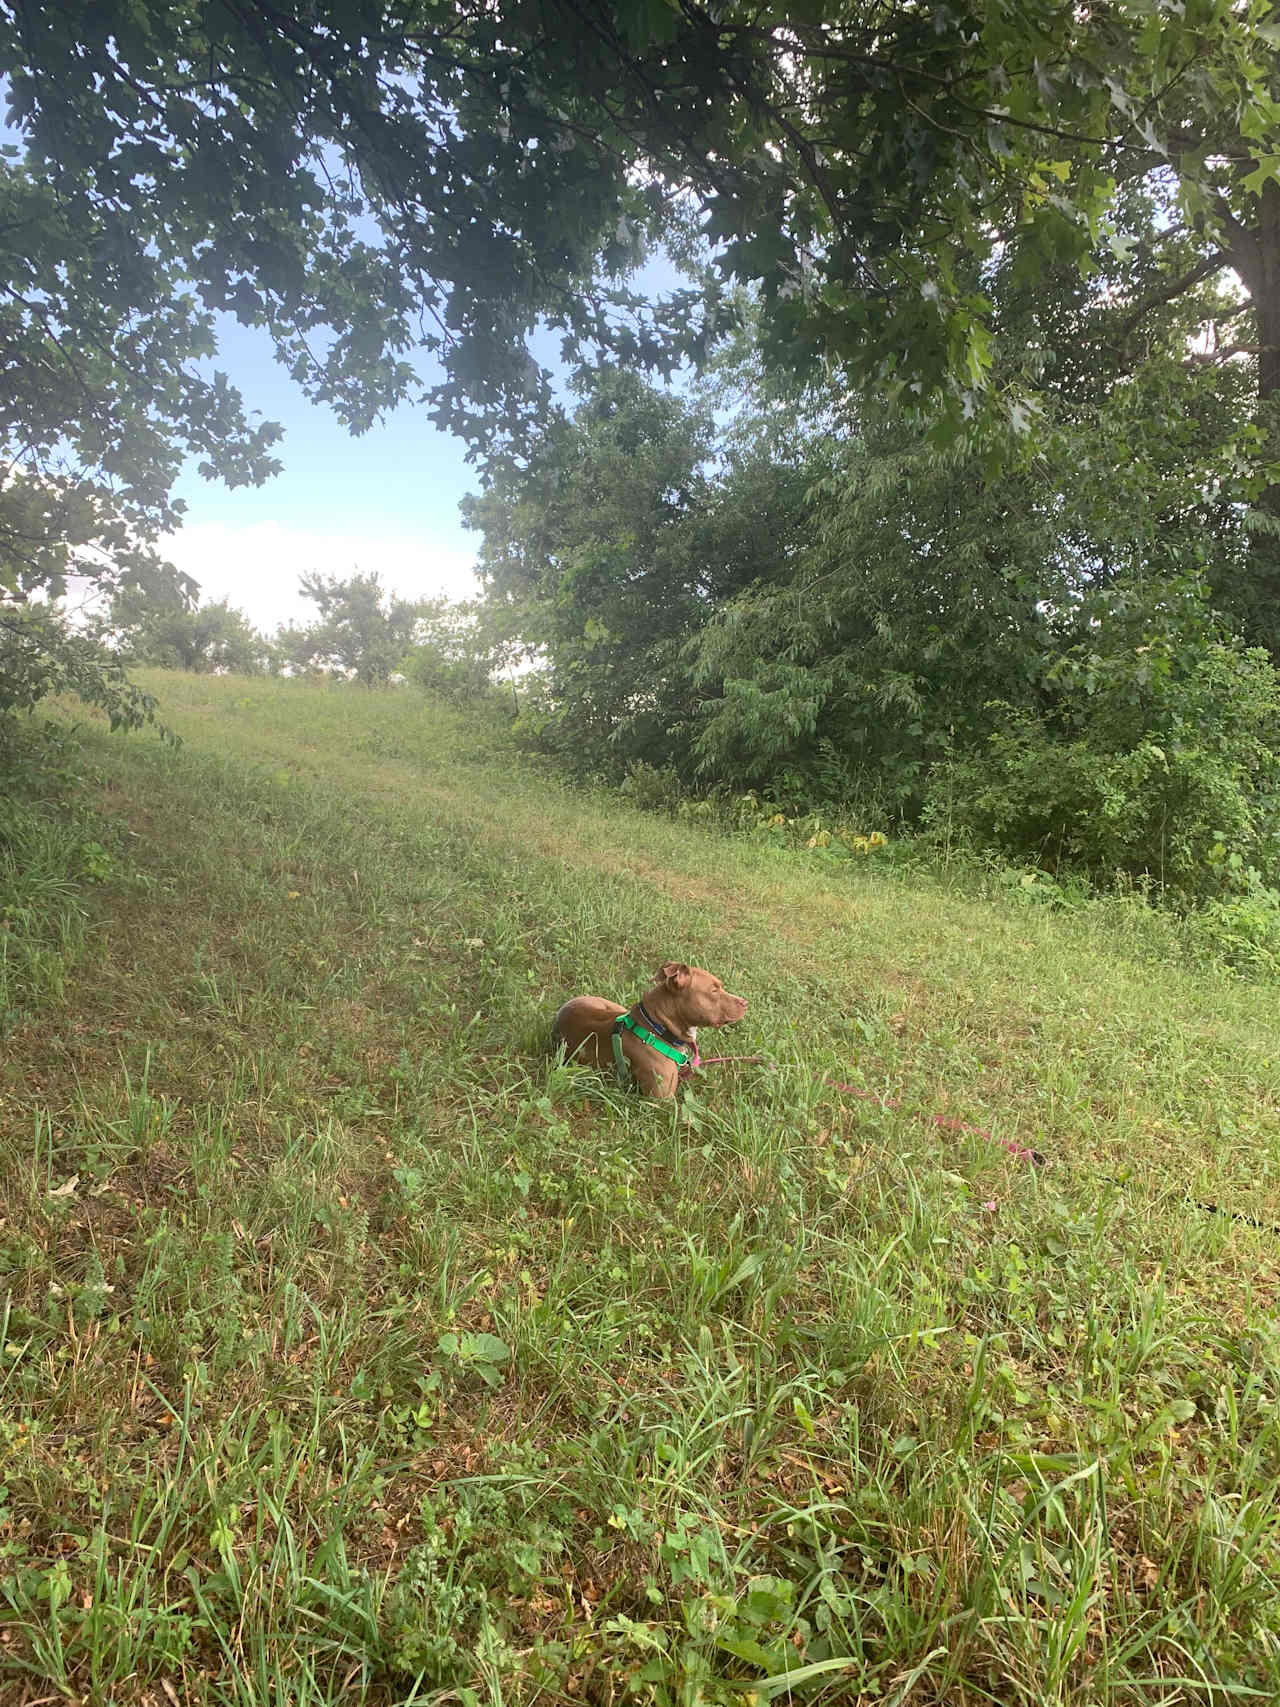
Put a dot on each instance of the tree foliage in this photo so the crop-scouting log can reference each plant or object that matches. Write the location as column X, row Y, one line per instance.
column 458, row 649
column 614, row 544
column 106, row 393
column 1156, row 754
column 175, row 635
column 368, row 179
column 861, row 164
column 42, row 654
column 1026, row 651
column 933, row 583
column 362, row 630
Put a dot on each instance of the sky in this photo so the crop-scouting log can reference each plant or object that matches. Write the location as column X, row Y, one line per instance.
column 384, row 502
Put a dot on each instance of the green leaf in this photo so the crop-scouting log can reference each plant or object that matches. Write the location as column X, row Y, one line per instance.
column 790, row 1680
column 1266, row 171
column 488, row 1347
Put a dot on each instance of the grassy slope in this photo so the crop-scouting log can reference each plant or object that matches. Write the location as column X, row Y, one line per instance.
column 371, row 1356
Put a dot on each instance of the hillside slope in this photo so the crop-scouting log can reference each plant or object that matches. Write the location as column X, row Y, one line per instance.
column 357, row 1351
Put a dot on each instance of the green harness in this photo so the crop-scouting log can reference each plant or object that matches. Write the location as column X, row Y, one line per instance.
column 624, row 1022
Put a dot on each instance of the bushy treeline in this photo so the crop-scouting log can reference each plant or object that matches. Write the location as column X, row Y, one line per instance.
column 1044, row 655
column 1058, row 641
column 362, row 632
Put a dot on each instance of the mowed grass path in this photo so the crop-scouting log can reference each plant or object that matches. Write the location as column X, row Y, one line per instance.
column 355, row 1351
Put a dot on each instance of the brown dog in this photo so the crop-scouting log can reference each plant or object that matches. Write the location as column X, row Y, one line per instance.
column 682, row 998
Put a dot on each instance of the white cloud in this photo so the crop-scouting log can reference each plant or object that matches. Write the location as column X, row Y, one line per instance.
column 256, row 565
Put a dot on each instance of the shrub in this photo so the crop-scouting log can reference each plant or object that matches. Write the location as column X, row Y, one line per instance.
column 1243, row 930
column 42, row 654
column 51, row 849
column 653, row 789
column 1158, row 757
column 454, row 654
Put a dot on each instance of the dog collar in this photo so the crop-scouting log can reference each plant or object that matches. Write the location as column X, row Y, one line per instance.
column 663, row 1031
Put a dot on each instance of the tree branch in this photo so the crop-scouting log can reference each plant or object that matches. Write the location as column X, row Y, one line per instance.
column 1203, row 269
column 1213, row 358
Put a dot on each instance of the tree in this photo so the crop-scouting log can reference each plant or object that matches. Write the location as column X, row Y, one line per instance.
column 822, row 602
column 41, row 654
column 369, row 180
column 929, row 586
column 613, row 544
column 854, row 160
column 362, row 631
column 922, row 592
column 168, row 632
column 365, row 179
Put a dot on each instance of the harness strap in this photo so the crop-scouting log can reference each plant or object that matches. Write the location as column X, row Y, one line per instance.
column 621, row 1066
column 624, row 1022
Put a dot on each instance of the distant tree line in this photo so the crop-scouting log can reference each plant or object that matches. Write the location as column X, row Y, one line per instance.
column 362, row 633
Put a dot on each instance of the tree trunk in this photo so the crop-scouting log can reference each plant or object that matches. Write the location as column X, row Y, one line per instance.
column 1256, row 256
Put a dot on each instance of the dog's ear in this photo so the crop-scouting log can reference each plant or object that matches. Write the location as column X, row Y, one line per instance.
column 676, row 974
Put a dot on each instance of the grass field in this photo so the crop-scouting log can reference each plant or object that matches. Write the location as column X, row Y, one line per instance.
column 355, row 1351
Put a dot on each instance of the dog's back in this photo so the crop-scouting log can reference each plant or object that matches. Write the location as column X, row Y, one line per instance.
column 584, row 1026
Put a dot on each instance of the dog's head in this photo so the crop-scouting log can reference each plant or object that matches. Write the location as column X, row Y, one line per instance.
column 698, row 997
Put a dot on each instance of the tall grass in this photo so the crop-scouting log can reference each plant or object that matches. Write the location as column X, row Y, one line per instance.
column 357, row 1350
column 51, row 850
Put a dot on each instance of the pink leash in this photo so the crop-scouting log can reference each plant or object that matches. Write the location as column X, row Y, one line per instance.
column 1021, row 1151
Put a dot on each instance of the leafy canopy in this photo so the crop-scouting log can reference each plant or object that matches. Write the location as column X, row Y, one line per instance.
column 383, row 184
column 368, row 178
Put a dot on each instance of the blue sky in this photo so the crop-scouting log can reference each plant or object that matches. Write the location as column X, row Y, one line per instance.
column 387, row 501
